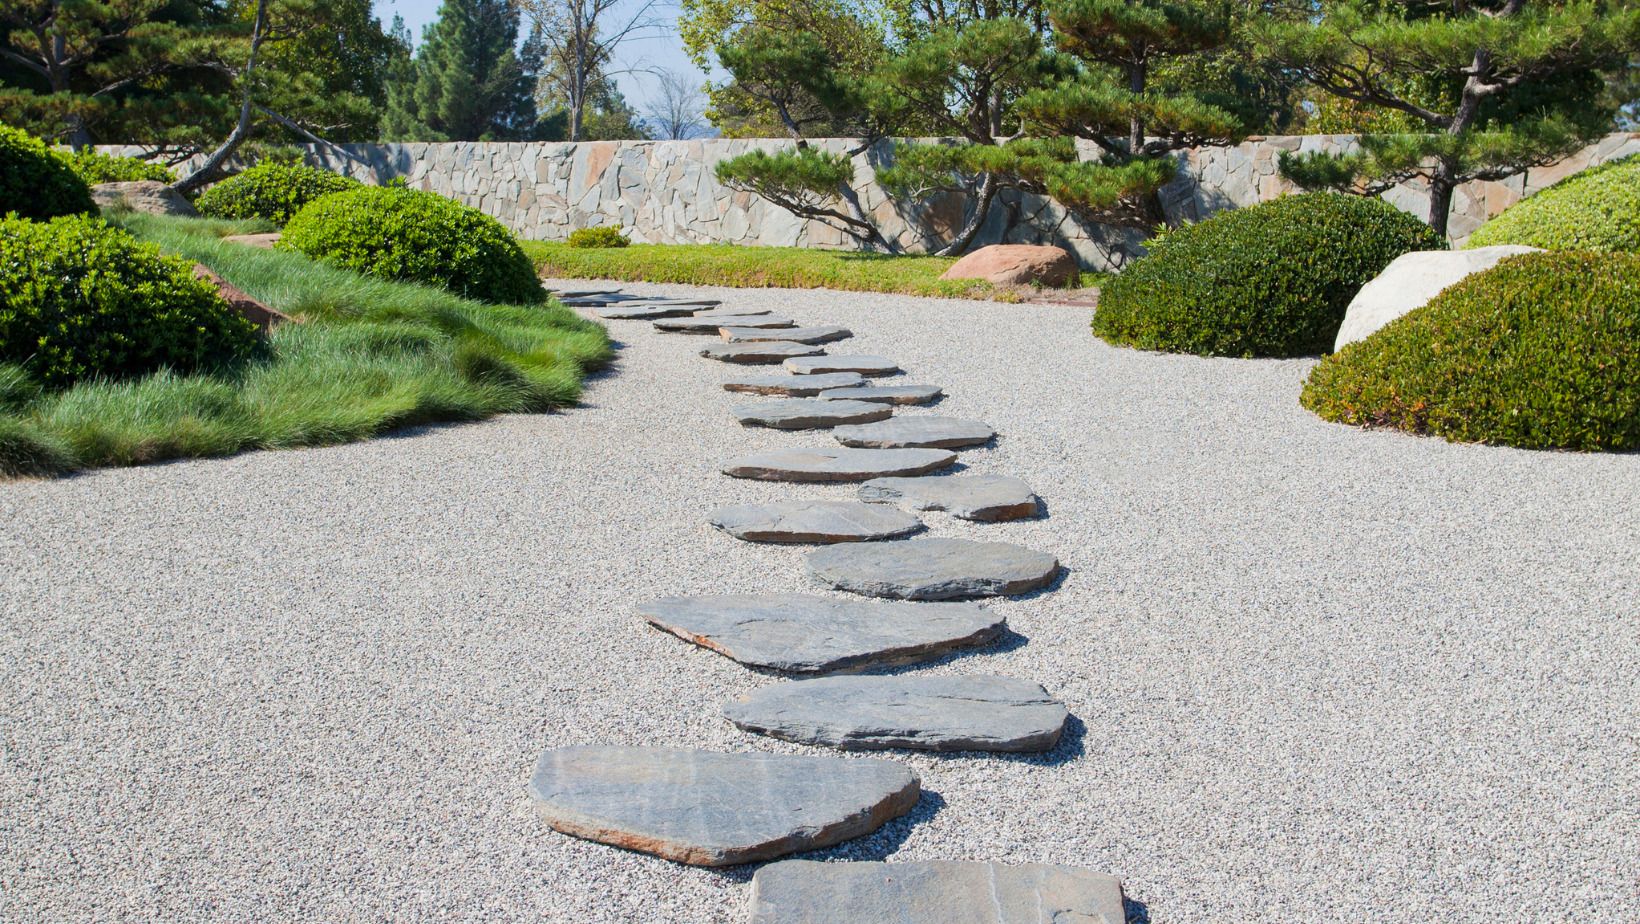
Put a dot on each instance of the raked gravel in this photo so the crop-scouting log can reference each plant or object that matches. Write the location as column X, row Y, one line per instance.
column 1318, row 674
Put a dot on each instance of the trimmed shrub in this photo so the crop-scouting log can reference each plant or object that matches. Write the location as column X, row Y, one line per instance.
column 598, row 237
column 271, row 190
column 35, row 182
column 1542, row 352
column 79, row 299
column 1598, row 209
column 95, row 168
column 413, row 236
column 1269, row 280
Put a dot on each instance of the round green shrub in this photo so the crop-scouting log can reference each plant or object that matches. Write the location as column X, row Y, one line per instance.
column 1542, row 352
column 413, row 236
column 1598, row 209
column 94, row 168
column 271, row 190
column 1269, row 280
column 81, row 299
column 598, row 237
column 35, row 182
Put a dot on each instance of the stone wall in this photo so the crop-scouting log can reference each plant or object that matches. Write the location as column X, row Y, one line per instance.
column 665, row 191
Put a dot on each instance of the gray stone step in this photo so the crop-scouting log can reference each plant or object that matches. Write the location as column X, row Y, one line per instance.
column 712, row 323
column 887, row 394
column 808, row 413
column 917, row 432
column 758, row 354
column 933, row 569
column 932, row 713
column 865, row 365
column 710, row 809
column 733, row 313
column 934, row 892
column 837, row 464
column 795, row 386
column 987, row 498
column 814, row 521
column 659, row 309
column 824, row 334
column 803, row 634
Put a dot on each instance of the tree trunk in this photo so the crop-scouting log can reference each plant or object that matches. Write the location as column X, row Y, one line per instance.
column 1136, row 123
column 982, row 209
column 1441, row 186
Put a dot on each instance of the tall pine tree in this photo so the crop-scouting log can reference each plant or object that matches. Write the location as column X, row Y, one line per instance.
column 466, row 82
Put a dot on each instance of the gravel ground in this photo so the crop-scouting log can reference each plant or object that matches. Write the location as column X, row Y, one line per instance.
column 1320, row 675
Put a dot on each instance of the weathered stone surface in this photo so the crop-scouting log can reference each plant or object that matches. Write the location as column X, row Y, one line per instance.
column 865, row 365
column 711, row 809
column 904, row 432
column 148, row 196
column 264, row 241
column 934, row 892
column 1015, row 265
column 931, row 713
column 248, row 308
column 734, row 313
column 758, row 354
column 823, row 334
column 641, row 312
column 933, row 569
column 887, row 394
column 802, row 634
column 712, row 323
column 809, row 413
column 1410, row 282
column 837, row 464
column 814, row 521
column 987, row 498
column 796, row 386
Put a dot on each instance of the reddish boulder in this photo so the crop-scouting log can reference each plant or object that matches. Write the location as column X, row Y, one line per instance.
column 1016, row 264
column 254, row 311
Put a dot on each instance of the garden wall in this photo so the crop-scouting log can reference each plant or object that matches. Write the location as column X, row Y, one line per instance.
column 665, row 191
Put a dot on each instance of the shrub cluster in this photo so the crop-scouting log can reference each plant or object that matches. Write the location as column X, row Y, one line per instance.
column 83, row 299
column 413, row 236
column 95, row 168
column 1542, row 352
column 598, row 237
column 1269, row 280
column 35, row 182
column 1598, row 209
column 271, row 190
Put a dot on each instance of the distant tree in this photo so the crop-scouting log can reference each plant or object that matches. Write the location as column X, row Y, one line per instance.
column 580, row 38
column 325, row 65
column 676, row 113
column 466, row 82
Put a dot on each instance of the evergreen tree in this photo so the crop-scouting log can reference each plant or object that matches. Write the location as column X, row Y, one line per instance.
column 466, row 82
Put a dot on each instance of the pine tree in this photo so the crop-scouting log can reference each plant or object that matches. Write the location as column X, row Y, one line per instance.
column 466, row 82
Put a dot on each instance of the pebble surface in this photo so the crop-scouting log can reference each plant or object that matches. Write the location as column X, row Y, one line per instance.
column 1319, row 674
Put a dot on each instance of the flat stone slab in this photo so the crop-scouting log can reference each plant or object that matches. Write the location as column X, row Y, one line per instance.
column 710, row 324
column 934, row 892
column 814, row 521
column 887, row 394
column 758, row 354
column 809, row 413
column 838, row 464
column 912, row 432
column 733, row 312
column 824, row 334
column 803, row 634
column 933, row 569
column 973, row 713
column 638, row 312
column 865, row 365
column 987, row 498
column 711, row 809
column 796, row 386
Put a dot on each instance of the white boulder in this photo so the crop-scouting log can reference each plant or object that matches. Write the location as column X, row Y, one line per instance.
column 1410, row 282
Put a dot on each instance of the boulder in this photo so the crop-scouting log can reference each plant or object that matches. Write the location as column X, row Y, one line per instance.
column 149, row 196
column 254, row 311
column 1015, row 265
column 1410, row 282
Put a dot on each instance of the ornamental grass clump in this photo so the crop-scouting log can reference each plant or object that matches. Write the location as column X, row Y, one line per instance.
column 598, row 237
column 1541, row 352
column 271, row 190
column 1270, row 280
column 1597, row 209
column 35, row 182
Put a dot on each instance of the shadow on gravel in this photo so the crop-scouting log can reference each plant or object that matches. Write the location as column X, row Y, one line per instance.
column 1136, row 911
column 878, row 845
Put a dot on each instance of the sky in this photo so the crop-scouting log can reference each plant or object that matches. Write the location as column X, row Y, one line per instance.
column 659, row 49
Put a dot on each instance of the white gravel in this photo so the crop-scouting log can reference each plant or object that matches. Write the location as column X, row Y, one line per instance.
column 1321, row 675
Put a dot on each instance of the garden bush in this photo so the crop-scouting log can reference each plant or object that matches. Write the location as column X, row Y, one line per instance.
column 82, row 299
column 1269, row 280
column 271, row 190
column 1598, row 209
column 35, row 182
column 95, row 168
column 412, row 236
column 1541, row 351
column 598, row 237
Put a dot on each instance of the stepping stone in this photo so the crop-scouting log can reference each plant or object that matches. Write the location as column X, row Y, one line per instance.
column 639, row 312
column 265, row 240
column 809, row 413
column 865, row 365
column 911, row 432
column 710, row 325
column 934, row 892
column 710, row 809
column 733, row 312
column 933, row 569
column 758, row 354
column 887, row 394
column 975, row 713
column 802, row 634
column 584, row 293
column 793, row 334
column 797, row 386
column 837, row 464
column 814, row 521
column 987, row 498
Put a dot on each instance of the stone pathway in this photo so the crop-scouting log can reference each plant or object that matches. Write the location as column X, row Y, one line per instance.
column 807, row 386
column 935, row 892
column 918, row 433
column 759, row 354
column 865, row 365
column 714, row 323
column 808, row 413
column 810, row 335
column 887, row 394
column 826, row 464
column 986, row 498
column 934, row 569
column 814, row 521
